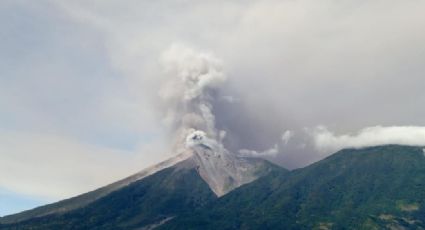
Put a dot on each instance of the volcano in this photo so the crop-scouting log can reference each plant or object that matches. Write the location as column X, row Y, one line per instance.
column 379, row 187
column 198, row 175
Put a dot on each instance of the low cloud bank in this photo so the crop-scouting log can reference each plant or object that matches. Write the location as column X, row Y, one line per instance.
column 326, row 140
column 253, row 153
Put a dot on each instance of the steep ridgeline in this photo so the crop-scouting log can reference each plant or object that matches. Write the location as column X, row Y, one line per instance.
column 152, row 197
column 371, row 188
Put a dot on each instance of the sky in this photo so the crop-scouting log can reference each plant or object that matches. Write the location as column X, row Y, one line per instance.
column 80, row 82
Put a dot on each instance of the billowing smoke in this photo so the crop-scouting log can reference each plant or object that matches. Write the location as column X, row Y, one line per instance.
column 191, row 87
column 189, row 92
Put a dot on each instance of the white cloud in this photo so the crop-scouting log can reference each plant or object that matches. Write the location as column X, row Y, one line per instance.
column 286, row 136
column 273, row 151
column 325, row 140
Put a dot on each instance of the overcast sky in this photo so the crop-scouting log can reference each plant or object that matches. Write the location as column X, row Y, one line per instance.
column 80, row 80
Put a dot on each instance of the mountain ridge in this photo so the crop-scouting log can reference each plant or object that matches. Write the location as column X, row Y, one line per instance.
column 221, row 169
column 380, row 187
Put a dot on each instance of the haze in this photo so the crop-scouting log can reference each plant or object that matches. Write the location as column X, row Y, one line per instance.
column 80, row 83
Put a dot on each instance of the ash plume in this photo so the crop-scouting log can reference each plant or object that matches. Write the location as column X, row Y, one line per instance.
column 188, row 93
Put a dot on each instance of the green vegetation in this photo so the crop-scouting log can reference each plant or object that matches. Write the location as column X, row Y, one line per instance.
column 372, row 188
column 155, row 198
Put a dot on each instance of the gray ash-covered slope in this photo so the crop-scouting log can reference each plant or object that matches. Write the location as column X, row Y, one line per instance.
column 371, row 188
column 220, row 169
column 182, row 184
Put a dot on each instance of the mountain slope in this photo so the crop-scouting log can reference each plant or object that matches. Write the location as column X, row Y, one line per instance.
column 372, row 188
column 222, row 170
column 163, row 195
column 87, row 198
column 147, row 199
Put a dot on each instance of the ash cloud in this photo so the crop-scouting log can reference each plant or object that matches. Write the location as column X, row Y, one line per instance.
column 188, row 93
column 199, row 114
column 293, row 66
column 191, row 95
